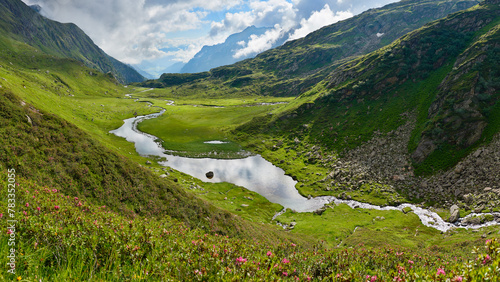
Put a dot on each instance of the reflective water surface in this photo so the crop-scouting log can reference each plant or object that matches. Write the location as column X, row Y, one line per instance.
column 259, row 175
column 253, row 173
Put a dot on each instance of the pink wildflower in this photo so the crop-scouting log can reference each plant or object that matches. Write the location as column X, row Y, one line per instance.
column 308, row 278
column 457, row 279
column 269, row 253
column 374, row 278
column 285, row 273
column 241, row 260
column 1, row 215
column 486, row 259
column 54, row 190
column 25, row 213
column 38, row 208
column 440, row 271
column 9, row 232
column 285, row 260
column 56, row 207
column 293, row 245
column 27, row 204
column 410, row 262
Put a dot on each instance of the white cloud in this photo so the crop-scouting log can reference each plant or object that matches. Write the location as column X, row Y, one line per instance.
column 258, row 44
column 137, row 30
column 129, row 30
column 319, row 19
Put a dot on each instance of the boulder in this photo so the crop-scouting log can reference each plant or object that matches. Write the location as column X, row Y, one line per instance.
column 320, row 211
column 454, row 213
column 209, row 174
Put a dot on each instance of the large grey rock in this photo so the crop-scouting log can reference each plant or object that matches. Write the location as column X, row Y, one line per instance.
column 455, row 213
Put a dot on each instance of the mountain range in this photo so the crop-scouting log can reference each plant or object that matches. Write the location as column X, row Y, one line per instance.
column 295, row 67
column 223, row 54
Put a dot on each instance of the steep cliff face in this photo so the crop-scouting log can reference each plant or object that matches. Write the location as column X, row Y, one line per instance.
column 466, row 99
column 22, row 23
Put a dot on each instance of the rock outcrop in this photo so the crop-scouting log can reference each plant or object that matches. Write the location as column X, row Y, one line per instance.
column 454, row 213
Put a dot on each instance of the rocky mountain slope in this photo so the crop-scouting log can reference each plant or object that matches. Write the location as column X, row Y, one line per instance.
column 428, row 104
column 20, row 22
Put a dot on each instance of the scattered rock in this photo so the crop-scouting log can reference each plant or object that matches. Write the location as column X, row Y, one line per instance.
column 29, row 120
column 407, row 210
column 479, row 209
column 477, row 153
column 164, row 176
column 209, row 174
column 320, row 211
column 454, row 213
column 244, row 205
column 148, row 162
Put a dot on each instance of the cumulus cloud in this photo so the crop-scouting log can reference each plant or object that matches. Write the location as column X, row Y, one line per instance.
column 140, row 30
column 258, row 44
column 130, row 30
column 260, row 13
column 319, row 19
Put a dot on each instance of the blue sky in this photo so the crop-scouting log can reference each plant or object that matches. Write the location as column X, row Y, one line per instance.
column 168, row 31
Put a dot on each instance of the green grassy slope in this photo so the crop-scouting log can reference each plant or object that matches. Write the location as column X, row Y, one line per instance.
column 61, row 238
column 22, row 23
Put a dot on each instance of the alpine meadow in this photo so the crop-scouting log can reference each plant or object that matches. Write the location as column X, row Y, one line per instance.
column 368, row 150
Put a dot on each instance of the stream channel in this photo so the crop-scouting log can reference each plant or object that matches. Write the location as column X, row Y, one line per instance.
column 258, row 175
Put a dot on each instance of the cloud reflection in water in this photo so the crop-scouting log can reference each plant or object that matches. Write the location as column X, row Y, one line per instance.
column 253, row 173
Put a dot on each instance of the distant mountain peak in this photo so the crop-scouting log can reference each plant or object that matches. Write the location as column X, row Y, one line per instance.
column 221, row 54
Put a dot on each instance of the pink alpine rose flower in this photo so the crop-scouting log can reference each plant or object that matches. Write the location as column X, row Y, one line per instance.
column 241, row 260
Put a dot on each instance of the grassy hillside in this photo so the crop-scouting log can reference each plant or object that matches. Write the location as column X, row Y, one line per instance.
column 44, row 97
column 67, row 238
column 20, row 22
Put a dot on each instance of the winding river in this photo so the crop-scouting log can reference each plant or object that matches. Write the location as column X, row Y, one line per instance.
column 259, row 175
